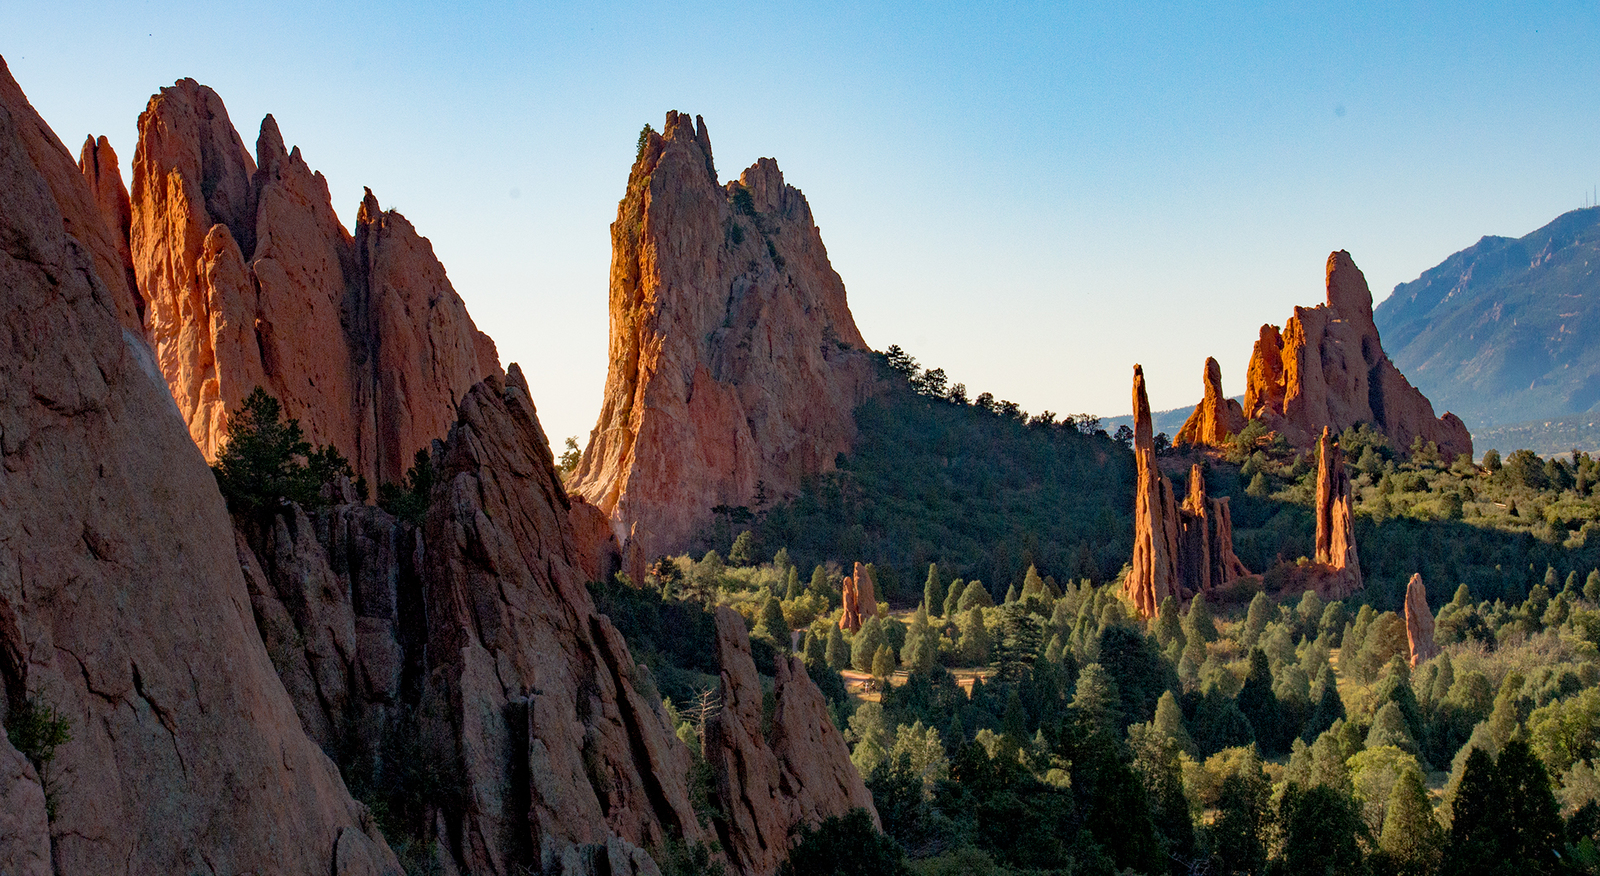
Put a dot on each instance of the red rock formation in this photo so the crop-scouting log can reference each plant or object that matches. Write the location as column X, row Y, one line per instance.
column 81, row 217
column 121, row 600
column 598, row 555
column 519, row 660
column 1216, row 417
column 1177, row 551
column 768, row 783
column 252, row 281
column 97, row 161
column 1336, row 535
column 859, row 602
column 1328, row 369
column 735, row 365
column 1419, row 622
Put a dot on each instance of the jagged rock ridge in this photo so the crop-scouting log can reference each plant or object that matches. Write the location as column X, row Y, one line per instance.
column 735, row 365
column 249, row 279
column 121, row 600
column 1327, row 368
column 1178, row 551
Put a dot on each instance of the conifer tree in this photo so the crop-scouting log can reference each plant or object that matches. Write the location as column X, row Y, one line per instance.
column 1591, row 586
column 864, row 647
column 1169, row 722
column 1011, row 594
column 952, row 598
column 1411, row 836
column 837, row 652
column 975, row 642
column 975, row 595
column 1168, row 627
column 819, row 581
column 922, row 643
column 1256, row 619
column 772, row 624
column 791, row 584
column 933, row 590
column 883, row 663
column 1198, row 624
column 1032, row 584
column 1097, row 698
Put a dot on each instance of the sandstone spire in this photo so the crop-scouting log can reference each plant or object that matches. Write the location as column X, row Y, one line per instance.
column 1154, row 575
column 97, row 161
column 859, row 600
column 1336, row 537
column 251, row 280
column 1328, row 368
column 1206, row 557
column 1419, row 621
column 1216, row 417
column 735, row 365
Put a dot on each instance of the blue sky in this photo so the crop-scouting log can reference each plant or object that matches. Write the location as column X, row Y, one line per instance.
column 1032, row 196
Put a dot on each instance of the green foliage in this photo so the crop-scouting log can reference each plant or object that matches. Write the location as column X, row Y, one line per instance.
column 567, row 463
column 266, row 460
column 865, row 644
column 408, row 500
column 844, row 845
column 36, row 729
column 743, row 551
column 644, row 140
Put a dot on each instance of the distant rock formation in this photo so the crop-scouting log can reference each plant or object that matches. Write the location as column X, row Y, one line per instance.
column 735, row 365
column 1327, row 368
column 1336, row 534
column 768, row 783
column 1216, row 417
column 860, row 602
column 250, row 280
column 1177, row 551
column 1419, row 622
column 121, row 601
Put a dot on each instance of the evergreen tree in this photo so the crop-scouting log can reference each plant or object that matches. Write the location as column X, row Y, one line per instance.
column 262, row 461
column 1411, row 836
column 975, row 596
column 883, row 663
column 772, row 624
column 952, row 599
column 819, row 581
column 1168, row 627
column 1389, row 728
column 791, row 584
column 1260, row 705
column 1531, row 814
column 1309, row 611
column 1328, row 766
column 1198, row 624
column 1097, row 698
column 1011, row 594
column 816, row 648
column 1477, row 841
column 922, row 643
column 1239, row 831
column 1169, row 723
column 1321, row 832
column 743, row 551
column 1256, row 619
column 837, row 652
column 864, row 647
column 975, row 642
column 1329, row 707
column 1591, row 585
column 1032, row 584
column 933, row 590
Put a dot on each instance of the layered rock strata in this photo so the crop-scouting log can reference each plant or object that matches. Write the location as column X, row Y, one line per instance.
column 859, row 600
column 250, row 280
column 798, row 773
column 1178, row 551
column 735, row 365
column 122, row 606
column 1419, row 622
column 1216, row 418
column 1336, row 534
column 1327, row 368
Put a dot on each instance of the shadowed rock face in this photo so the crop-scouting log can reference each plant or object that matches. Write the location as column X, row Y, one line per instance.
column 1216, row 417
column 1327, row 368
column 121, row 599
column 1419, row 622
column 250, row 280
column 735, row 365
column 1336, row 534
column 1178, row 551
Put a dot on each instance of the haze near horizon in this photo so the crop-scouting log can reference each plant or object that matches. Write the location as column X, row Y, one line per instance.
column 1032, row 200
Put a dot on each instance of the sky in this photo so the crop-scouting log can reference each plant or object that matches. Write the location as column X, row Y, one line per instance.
column 1033, row 196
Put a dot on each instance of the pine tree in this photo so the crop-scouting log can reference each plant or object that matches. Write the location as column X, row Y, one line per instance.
column 791, row 584
column 864, row 647
column 975, row 595
column 1011, row 594
column 743, row 551
column 1259, row 704
column 837, row 653
column 1032, row 584
column 1168, row 627
column 952, row 598
column 819, row 581
column 1169, row 722
column 1198, row 624
column 1256, row 619
column 1591, row 585
column 975, row 642
column 772, row 624
column 1411, row 836
column 922, row 643
column 883, row 663
column 1097, row 698
column 933, row 590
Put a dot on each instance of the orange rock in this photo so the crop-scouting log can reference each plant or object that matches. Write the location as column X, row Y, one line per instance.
column 1336, row 536
column 252, row 281
column 1206, row 557
column 1328, row 369
column 735, row 365
column 97, row 161
column 1419, row 621
column 859, row 601
column 1216, row 417
column 121, row 600
column 770, row 783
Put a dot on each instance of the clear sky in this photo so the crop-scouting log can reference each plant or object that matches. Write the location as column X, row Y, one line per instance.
column 1032, row 196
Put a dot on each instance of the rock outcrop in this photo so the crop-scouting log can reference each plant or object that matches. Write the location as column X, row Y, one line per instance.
column 859, row 600
column 768, row 783
column 1178, row 551
column 1419, row 622
column 735, row 365
column 97, row 161
column 250, row 280
column 1327, row 368
column 1336, row 533
column 122, row 605
column 1216, row 417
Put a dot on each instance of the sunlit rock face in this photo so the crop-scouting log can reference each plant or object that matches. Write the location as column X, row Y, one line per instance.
column 1419, row 622
column 1336, row 532
column 735, row 365
column 1327, row 368
column 1216, row 418
column 248, row 279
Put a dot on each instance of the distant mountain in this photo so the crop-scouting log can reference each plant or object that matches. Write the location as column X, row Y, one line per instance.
column 1169, row 421
column 1557, row 436
column 1507, row 330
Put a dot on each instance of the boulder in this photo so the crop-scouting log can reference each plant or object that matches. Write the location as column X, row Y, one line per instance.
column 251, row 280
column 1336, row 535
column 1419, row 622
column 1327, row 368
column 1216, row 418
column 735, row 365
column 122, row 606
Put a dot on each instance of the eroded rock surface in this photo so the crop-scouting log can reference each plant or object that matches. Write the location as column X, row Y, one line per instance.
column 1336, row 534
column 799, row 773
column 735, row 365
column 1216, row 418
column 1419, row 622
column 860, row 602
column 1327, row 368
column 121, row 600
column 251, row 280
column 1206, row 557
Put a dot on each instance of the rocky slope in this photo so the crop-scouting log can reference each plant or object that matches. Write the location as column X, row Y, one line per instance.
column 122, row 605
column 1327, row 368
column 1508, row 329
column 250, row 280
column 735, row 365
